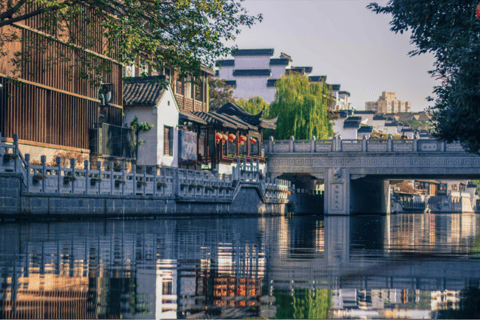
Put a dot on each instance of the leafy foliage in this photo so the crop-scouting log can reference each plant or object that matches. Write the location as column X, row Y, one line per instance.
column 450, row 30
column 219, row 93
column 304, row 304
column 302, row 108
column 178, row 33
column 140, row 127
column 254, row 105
column 418, row 124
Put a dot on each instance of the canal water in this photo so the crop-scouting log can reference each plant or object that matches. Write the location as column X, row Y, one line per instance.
column 390, row 266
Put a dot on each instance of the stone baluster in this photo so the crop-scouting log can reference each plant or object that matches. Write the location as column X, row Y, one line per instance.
column 85, row 167
column 292, row 144
column 99, row 182
column 123, row 178
column 43, row 160
column 442, row 146
column 313, row 144
column 238, row 171
column 364, row 143
column 215, row 178
column 15, row 150
column 134, row 181
column 389, row 143
column 415, row 143
column 72, row 172
column 144, row 169
column 194, row 183
column 27, row 160
column 58, row 161
column 112, row 180
column 164, row 175
column 339, row 141
column 271, row 144
column 334, row 143
column 155, row 181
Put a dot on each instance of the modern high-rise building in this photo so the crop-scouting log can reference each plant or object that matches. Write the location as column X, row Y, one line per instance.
column 388, row 103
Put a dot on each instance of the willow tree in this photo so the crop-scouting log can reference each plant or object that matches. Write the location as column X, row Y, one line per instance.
column 254, row 105
column 302, row 108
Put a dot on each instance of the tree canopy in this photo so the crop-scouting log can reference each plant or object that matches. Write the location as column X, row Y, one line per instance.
column 183, row 34
column 450, row 30
column 254, row 105
column 302, row 108
column 219, row 93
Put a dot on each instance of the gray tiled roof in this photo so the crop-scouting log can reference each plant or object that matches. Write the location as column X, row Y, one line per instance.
column 271, row 83
column 379, row 118
column 253, row 52
column 146, row 92
column 351, row 124
column 279, row 62
column 233, row 110
column 335, row 87
column 365, row 129
column 317, row 78
column 364, row 112
column 232, row 83
column 252, row 72
column 344, row 92
column 226, row 63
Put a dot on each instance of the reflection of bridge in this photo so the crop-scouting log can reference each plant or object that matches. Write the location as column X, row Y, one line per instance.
column 356, row 172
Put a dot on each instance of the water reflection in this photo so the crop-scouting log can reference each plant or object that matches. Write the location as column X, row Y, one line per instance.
column 394, row 266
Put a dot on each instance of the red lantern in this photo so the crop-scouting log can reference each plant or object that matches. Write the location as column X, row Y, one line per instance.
column 217, row 140
column 252, row 140
column 224, row 137
column 242, row 138
column 218, row 136
column 231, row 136
column 478, row 11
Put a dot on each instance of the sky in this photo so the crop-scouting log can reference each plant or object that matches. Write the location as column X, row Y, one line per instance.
column 348, row 43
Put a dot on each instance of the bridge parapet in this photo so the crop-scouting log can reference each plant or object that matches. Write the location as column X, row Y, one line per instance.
column 337, row 144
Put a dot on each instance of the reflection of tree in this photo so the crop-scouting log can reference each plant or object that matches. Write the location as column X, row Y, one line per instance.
column 469, row 304
column 304, row 304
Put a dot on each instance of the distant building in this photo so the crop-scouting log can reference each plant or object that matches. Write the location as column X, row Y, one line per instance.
column 254, row 72
column 388, row 103
column 342, row 98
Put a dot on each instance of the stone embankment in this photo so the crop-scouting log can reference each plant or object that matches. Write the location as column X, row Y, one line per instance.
column 29, row 191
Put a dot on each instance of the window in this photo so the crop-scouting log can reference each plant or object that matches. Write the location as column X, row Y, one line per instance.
column 179, row 86
column 168, row 141
column 199, row 91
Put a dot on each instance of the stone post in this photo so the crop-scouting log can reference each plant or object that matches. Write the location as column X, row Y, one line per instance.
column 337, row 191
column 176, row 182
column 415, row 143
column 112, row 180
column 389, row 144
column 164, row 175
column 134, row 181
column 334, row 143
column 43, row 160
column 270, row 144
column 144, row 169
column 442, row 146
column 364, row 143
column 312, row 144
column 27, row 160
column 99, row 168
column 123, row 178
column 339, row 141
column 16, row 151
column 58, row 161
column 291, row 144
column 72, row 172
column 154, row 181
column 85, row 167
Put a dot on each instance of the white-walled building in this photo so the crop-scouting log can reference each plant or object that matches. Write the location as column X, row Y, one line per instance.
column 254, row 72
column 156, row 105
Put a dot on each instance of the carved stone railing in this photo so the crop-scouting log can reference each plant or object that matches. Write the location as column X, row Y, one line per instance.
column 337, row 144
column 104, row 178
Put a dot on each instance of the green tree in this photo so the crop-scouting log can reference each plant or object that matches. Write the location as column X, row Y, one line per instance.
column 254, row 105
column 450, row 30
column 219, row 93
column 179, row 33
column 302, row 108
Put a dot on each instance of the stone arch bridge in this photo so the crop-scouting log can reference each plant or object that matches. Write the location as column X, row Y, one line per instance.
column 356, row 172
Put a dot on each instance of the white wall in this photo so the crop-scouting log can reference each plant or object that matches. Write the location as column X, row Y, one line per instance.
column 248, row 87
column 278, row 71
column 349, row 133
column 226, row 73
column 167, row 115
column 147, row 153
column 338, row 126
column 252, row 62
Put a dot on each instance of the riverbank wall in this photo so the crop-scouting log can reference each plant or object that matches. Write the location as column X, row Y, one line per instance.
column 39, row 191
